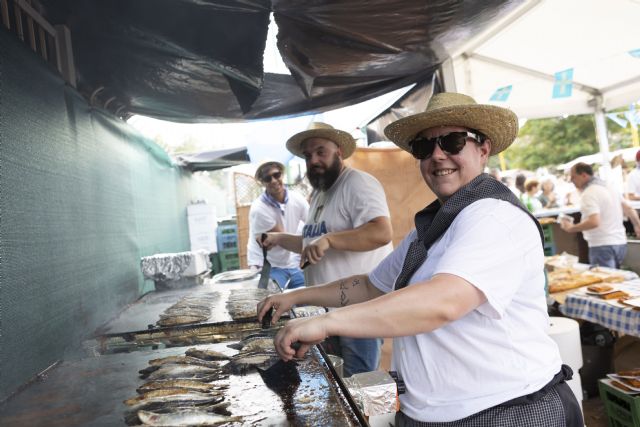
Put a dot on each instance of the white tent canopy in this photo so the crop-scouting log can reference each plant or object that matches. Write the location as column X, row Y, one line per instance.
column 544, row 37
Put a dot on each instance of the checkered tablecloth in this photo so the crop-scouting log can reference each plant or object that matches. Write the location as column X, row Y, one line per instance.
column 607, row 313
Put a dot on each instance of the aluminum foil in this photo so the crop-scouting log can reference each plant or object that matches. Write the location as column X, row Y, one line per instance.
column 375, row 392
column 174, row 266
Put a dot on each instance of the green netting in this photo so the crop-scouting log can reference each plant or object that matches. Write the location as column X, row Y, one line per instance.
column 83, row 197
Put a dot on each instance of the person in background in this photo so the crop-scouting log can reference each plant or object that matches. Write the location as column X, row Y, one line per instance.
column 548, row 197
column 520, row 180
column 462, row 295
column 348, row 230
column 276, row 210
column 529, row 197
column 601, row 223
column 633, row 181
column 495, row 172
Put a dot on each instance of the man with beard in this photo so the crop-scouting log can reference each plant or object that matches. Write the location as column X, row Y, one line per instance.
column 277, row 209
column 348, row 230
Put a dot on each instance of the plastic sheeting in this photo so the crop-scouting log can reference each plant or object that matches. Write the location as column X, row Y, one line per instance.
column 214, row 160
column 84, row 197
column 201, row 60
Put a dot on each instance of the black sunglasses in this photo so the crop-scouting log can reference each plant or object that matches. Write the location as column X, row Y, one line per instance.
column 267, row 178
column 451, row 143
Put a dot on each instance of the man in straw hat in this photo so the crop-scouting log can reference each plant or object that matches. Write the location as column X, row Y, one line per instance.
column 277, row 209
column 463, row 295
column 348, row 230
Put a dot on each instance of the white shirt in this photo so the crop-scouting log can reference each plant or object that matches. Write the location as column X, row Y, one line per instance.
column 263, row 217
column 500, row 350
column 633, row 182
column 353, row 200
column 601, row 199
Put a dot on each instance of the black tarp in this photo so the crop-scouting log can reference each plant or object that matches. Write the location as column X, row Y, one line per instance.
column 214, row 160
column 201, row 60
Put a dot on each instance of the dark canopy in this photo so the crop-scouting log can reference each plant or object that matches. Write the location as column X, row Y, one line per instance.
column 201, row 60
column 214, row 160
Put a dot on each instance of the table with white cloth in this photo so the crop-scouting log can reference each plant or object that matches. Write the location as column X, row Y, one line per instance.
column 608, row 313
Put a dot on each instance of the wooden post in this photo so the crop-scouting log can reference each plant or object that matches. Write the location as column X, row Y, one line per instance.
column 43, row 44
column 18, row 13
column 32, row 33
column 4, row 10
column 64, row 55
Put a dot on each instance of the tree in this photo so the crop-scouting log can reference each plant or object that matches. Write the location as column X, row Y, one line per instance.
column 553, row 141
column 548, row 142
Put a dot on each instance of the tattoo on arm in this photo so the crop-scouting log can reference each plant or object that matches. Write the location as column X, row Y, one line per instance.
column 344, row 300
column 356, row 282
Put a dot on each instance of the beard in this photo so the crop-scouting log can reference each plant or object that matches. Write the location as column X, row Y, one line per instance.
column 324, row 180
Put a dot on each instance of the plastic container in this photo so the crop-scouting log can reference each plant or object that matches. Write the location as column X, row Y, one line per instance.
column 623, row 410
column 229, row 260
column 227, row 236
column 338, row 364
column 547, row 232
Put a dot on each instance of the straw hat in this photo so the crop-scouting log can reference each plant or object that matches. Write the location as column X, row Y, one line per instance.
column 499, row 124
column 322, row 130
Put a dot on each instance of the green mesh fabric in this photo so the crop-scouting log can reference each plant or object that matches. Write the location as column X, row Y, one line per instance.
column 83, row 197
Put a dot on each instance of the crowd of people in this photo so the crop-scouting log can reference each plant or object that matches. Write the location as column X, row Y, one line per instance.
column 545, row 190
column 462, row 295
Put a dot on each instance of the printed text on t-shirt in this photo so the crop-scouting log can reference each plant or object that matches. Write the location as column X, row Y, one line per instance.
column 314, row 230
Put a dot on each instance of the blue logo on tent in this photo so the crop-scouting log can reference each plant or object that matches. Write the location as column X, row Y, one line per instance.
column 635, row 53
column 501, row 94
column 563, row 85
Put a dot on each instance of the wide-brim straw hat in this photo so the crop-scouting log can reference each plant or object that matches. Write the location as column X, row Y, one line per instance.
column 499, row 124
column 343, row 139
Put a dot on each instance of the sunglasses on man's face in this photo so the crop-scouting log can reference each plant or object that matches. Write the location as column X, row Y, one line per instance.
column 267, row 178
column 451, row 143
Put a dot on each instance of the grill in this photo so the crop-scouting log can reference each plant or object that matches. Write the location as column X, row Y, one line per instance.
column 91, row 391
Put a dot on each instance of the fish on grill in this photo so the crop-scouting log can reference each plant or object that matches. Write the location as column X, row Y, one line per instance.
column 172, row 394
column 177, row 320
column 165, row 372
column 243, row 363
column 242, row 302
column 193, row 385
column 183, row 360
column 210, row 355
column 190, row 309
column 174, row 398
column 217, row 406
column 185, row 417
column 254, row 342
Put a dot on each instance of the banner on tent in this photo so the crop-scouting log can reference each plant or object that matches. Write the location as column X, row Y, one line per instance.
column 501, row 94
column 563, row 85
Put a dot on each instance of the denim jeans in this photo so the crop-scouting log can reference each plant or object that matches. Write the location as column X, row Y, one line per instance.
column 359, row 354
column 283, row 275
column 607, row 256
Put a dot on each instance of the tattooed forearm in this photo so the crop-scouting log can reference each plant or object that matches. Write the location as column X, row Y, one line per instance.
column 344, row 300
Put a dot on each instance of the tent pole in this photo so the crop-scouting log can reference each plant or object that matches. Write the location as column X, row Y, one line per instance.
column 603, row 140
column 447, row 76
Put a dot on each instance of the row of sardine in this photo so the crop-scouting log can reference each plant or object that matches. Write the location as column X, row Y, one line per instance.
column 190, row 309
column 182, row 390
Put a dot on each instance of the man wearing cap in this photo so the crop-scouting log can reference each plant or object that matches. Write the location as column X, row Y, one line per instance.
column 462, row 295
column 276, row 210
column 633, row 180
column 348, row 230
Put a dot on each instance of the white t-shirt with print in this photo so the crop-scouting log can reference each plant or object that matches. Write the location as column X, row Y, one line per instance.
column 603, row 200
column 263, row 217
column 500, row 350
column 353, row 200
